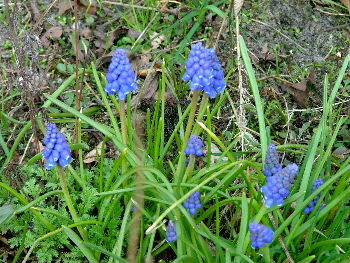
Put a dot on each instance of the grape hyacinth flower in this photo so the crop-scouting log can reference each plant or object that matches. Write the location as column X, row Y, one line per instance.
column 57, row 149
column 313, row 203
column 260, row 234
column 193, row 203
column 272, row 162
column 194, row 146
column 171, row 231
column 279, row 185
column 121, row 76
column 204, row 71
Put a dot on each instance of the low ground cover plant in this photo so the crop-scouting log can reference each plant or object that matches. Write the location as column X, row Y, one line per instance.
column 166, row 199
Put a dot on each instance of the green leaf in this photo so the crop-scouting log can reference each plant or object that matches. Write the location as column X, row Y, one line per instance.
column 61, row 68
column 243, row 227
column 6, row 213
column 104, row 251
column 216, row 10
column 256, row 94
column 83, row 248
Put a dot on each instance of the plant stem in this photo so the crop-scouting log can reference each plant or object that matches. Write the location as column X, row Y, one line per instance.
column 125, row 141
column 202, row 109
column 187, row 135
column 69, row 201
column 286, row 251
column 123, row 122
column 266, row 253
column 189, row 168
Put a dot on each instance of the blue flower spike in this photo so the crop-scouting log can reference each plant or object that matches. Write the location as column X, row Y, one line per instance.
column 57, row 149
column 171, row 231
column 260, row 235
column 312, row 205
column 121, row 76
column 272, row 162
column 204, row 71
column 194, row 146
column 279, row 185
column 193, row 203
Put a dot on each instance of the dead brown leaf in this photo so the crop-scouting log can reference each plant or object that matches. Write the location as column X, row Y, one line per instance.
column 92, row 155
column 340, row 152
column 36, row 11
column 237, row 6
column 346, row 3
column 104, row 41
column 299, row 91
column 149, row 90
column 133, row 34
column 157, row 41
column 214, row 157
column 77, row 50
column 88, row 2
column 65, row 5
column 86, row 32
column 104, row 59
column 52, row 33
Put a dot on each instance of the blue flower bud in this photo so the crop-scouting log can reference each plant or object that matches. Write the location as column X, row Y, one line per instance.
column 57, row 149
column 278, row 186
column 204, row 71
column 193, row 203
column 121, row 76
column 171, row 231
column 272, row 162
column 194, row 146
column 313, row 203
column 260, row 234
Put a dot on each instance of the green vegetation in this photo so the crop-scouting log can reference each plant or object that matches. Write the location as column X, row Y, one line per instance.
column 130, row 174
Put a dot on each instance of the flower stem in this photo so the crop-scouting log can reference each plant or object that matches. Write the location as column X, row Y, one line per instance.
column 187, row 135
column 69, row 201
column 201, row 111
column 125, row 140
column 286, row 251
column 266, row 253
column 189, row 168
column 123, row 122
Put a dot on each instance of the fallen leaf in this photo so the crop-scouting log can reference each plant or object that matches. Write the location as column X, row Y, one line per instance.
column 88, row 2
column 104, row 59
column 299, row 91
column 340, row 152
column 65, row 5
column 92, row 155
column 214, row 157
column 36, row 11
column 237, row 6
column 86, row 32
column 151, row 86
column 77, row 49
column 133, row 34
column 157, row 41
column 52, row 33
column 103, row 40
column 267, row 55
column 149, row 90
column 346, row 3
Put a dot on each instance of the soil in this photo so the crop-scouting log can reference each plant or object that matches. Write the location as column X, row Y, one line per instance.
column 309, row 42
column 304, row 32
